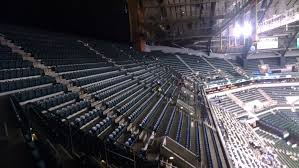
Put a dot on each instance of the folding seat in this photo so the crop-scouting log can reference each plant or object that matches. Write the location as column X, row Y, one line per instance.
column 95, row 131
column 74, row 108
column 43, row 91
column 26, row 72
column 59, row 112
column 20, row 84
column 55, row 100
column 19, row 73
column 69, row 96
column 54, row 88
column 82, row 118
column 38, row 81
column 59, row 100
column 47, row 104
column 87, row 116
column 38, row 93
column 2, row 73
column 81, row 104
column 6, row 74
column 77, row 122
column 4, row 86
column 20, row 96
column 15, row 74
column 66, row 111
column 10, row 64
column 23, row 84
column 11, row 85
column 43, row 104
column 48, row 90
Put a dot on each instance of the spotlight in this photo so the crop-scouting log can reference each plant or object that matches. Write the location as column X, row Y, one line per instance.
column 237, row 30
column 247, row 29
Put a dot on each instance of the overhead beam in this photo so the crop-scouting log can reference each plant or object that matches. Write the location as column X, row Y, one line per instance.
column 179, row 4
column 267, row 7
column 211, row 23
column 185, row 19
column 282, row 57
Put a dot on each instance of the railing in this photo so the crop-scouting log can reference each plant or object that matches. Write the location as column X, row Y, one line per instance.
column 186, row 158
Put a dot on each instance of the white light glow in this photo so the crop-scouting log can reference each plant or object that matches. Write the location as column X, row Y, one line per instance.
column 237, row 30
column 247, row 29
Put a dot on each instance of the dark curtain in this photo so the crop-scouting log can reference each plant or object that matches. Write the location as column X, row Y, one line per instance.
column 99, row 19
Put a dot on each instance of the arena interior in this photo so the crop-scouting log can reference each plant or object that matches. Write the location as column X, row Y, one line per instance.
column 198, row 84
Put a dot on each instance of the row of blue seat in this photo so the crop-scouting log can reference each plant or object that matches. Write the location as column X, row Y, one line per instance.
column 198, row 135
column 178, row 133
column 107, row 83
column 100, row 127
column 123, row 96
column 131, row 140
column 93, row 79
column 114, row 90
column 24, row 83
column 140, row 109
column 73, row 108
column 131, row 65
column 151, row 113
column 18, row 73
column 207, row 148
column 132, row 102
column 116, row 133
column 53, row 62
column 170, row 123
column 88, row 72
column 85, row 118
column 14, row 64
column 188, row 144
column 56, row 100
column 75, row 67
column 138, row 73
column 158, row 122
column 9, row 56
column 39, row 92
column 134, row 69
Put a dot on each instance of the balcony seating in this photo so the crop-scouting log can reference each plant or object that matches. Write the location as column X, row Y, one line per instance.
column 85, row 118
column 56, row 100
column 39, row 92
column 19, row 73
column 24, row 83
column 123, row 96
column 71, row 109
column 93, row 79
column 76, row 67
column 114, row 90
column 118, row 131
column 5, row 64
column 80, row 74
column 101, row 126
column 106, row 83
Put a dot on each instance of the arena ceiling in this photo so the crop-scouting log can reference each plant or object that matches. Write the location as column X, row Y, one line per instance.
column 200, row 24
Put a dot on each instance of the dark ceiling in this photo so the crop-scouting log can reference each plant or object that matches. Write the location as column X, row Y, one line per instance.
column 107, row 20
